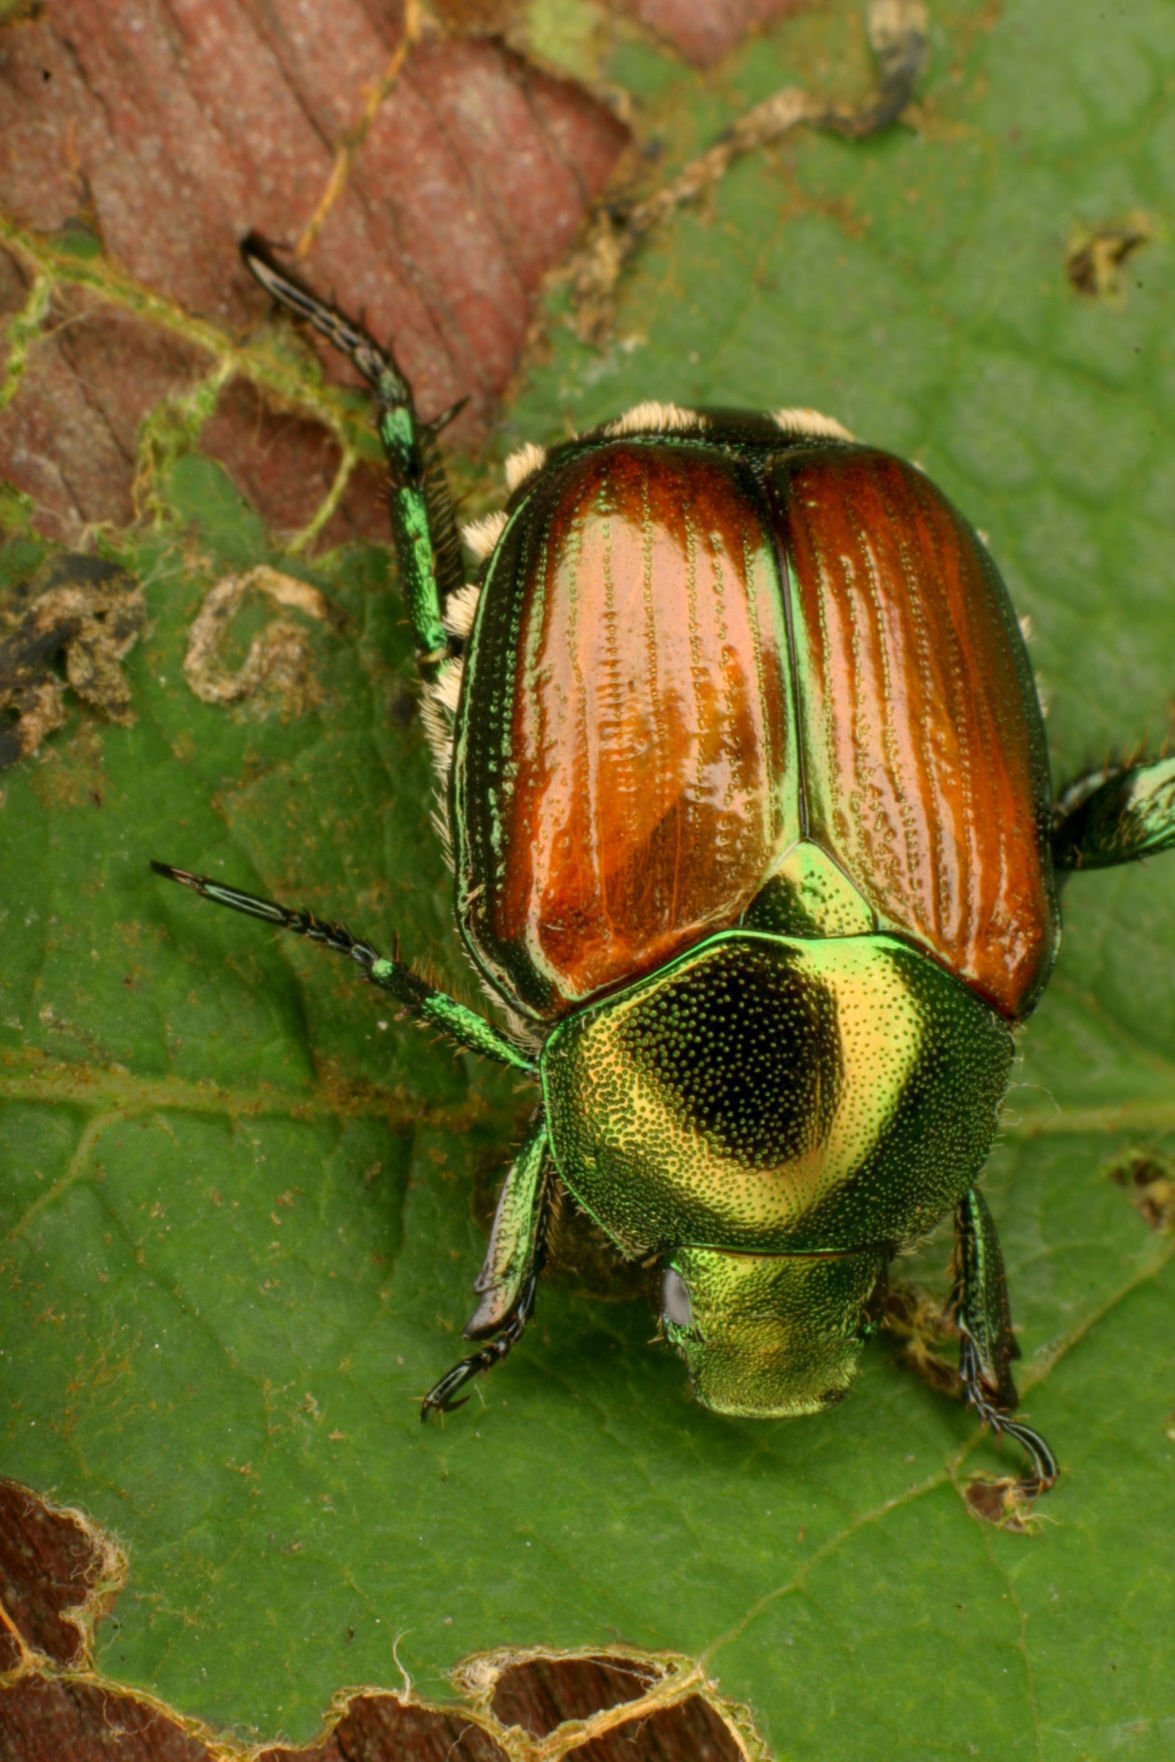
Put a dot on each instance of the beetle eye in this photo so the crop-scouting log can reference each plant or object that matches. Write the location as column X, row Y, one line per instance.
column 675, row 1303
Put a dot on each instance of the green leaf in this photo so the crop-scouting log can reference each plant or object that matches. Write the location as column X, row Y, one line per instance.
column 243, row 1207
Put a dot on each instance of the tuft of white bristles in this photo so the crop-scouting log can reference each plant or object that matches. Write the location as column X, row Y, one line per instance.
column 523, row 464
column 811, row 422
column 438, row 712
column 446, row 687
column 481, row 536
column 438, row 731
column 662, row 418
column 461, row 609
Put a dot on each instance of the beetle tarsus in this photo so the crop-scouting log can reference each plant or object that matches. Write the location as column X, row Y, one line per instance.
column 377, row 365
column 898, row 37
column 440, row 1397
column 1115, row 815
column 1044, row 1464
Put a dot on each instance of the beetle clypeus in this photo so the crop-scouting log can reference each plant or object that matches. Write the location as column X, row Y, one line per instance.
column 748, row 802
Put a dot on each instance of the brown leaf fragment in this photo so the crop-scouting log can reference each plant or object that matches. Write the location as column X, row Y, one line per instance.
column 286, row 465
column 72, row 1721
column 57, row 1576
column 691, row 1731
column 539, row 1693
column 472, row 181
column 489, row 17
column 613, row 1706
column 704, row 34
column 383, row 1728
column 14, row 286
column 434, row 182
column 79, row 613
column 68, row 437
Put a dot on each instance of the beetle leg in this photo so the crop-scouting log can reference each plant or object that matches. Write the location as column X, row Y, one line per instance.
column 1045, row 1467
column 518, row 1236
column 897, row 37
column 424, row 527
column 510, row 1270
column 440, row 1397
column 1115, row 815
column 980, row 1304
column 424, row 1001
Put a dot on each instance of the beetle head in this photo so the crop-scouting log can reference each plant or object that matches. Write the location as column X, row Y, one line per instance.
column 772, row 1335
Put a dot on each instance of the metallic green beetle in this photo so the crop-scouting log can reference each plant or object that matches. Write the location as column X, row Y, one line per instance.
column 747, row 794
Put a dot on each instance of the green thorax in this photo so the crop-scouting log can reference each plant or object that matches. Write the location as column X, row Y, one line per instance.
column 765, row 1093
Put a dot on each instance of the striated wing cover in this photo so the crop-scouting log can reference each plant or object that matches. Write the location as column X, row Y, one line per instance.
column 624, row 774
column 691, row 658
column 925, row 768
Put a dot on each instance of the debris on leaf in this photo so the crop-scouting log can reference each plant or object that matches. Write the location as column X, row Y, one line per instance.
column 922, row 1326
column 70, row 625
column 1149, row 1180
column 1095, row 255
column 277, row 673
column 1005, row 1502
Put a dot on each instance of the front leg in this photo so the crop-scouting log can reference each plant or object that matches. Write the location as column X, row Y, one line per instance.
column 980, row 1304
column 509, row 1275
column 423, row 525
column 440, row 1398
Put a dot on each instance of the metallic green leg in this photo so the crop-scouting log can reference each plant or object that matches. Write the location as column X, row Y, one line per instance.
column 423, row 525
column 440, row 1397
column 980, row 1303
column 423, row 1000
column 1115, row 815
column 516, row 1240
column 509, row 1272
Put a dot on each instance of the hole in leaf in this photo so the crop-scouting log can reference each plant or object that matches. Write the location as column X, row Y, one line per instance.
column 382, row 1728
column 689, row 1732
column 51, row 1565
column 59, row 1576
column 540, row 1694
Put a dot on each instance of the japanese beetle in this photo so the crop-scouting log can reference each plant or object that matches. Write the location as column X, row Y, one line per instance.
column 747, row 795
